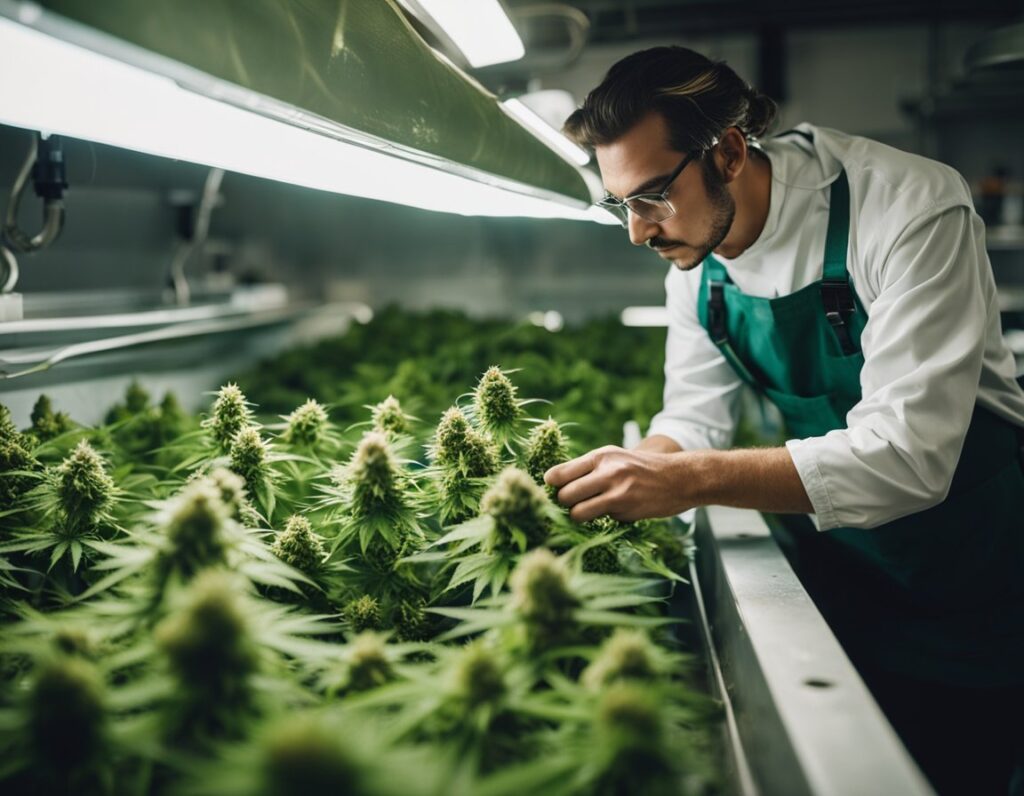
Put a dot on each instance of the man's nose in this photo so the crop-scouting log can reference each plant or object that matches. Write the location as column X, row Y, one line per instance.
column 640, row 229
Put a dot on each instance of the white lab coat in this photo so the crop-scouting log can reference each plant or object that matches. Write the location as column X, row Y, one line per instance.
column 932, row 345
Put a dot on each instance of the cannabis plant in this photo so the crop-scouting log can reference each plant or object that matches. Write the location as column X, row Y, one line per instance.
column 516, row 515
column 230, row 413
column 463, row 459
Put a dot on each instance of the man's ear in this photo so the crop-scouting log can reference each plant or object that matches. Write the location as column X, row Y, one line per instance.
column 731, row 154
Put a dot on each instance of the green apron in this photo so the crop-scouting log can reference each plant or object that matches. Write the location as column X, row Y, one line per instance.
column 938, row 594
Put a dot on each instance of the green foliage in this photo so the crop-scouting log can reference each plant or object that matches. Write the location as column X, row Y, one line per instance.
column 242, row 605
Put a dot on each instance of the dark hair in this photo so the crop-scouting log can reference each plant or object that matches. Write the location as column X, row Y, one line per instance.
column 698, row 98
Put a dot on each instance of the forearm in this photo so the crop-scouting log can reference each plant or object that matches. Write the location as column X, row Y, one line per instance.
column 764, row 479
column 658, row 443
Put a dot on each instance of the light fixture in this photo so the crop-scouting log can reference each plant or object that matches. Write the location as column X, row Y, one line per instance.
column 644, row 316
column 548, row 134
column 479, row 29
column 138, row 100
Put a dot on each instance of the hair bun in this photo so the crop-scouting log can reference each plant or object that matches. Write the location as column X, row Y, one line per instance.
column 761, row 112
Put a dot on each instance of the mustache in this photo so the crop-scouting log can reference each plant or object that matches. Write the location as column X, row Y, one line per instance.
column 661, row 243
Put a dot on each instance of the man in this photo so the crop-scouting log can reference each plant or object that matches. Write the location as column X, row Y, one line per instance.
column 847, row 283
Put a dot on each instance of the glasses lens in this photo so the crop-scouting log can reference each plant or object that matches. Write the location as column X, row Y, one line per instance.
column 617, row 209
column 651, row 208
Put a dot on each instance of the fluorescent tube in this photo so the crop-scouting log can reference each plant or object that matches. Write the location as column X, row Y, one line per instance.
column 70, row 90
column 548, row 134
column 479, row 28
column 644, row 316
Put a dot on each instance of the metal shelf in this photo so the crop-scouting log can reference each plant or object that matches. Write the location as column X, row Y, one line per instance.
column 799, row 720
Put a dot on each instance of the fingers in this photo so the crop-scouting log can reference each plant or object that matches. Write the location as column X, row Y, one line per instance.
column 561, row 474
column 590, row 509
column 581, row 489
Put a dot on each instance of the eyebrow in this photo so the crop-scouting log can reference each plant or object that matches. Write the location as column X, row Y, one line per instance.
column 647, row 185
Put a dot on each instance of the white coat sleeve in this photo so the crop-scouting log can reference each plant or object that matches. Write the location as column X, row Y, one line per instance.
column 923, row 346
column 701, row 389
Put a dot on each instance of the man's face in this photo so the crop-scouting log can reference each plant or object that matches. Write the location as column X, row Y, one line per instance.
column 640, row 162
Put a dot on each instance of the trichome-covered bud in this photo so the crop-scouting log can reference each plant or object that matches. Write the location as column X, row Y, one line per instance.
column 8, row 431
column 306, row 424
column 495, row 403
column 83, row 486
column 458, row 445
column 229, row 415
column 363, row 613
column 15, row 459
column 248, row 456
column 602, row 559
column 298, row 546
column 545, row 448
column 67, row 713
column 627, row 655
column 388, row 417
column 411, row 620
column 520, row 509
column 541, row 592
column 368, row 662
column 478, row 677
column 374, row 473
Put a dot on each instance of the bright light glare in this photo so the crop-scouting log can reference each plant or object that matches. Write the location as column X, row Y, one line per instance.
column 644, row 316
column 73, row 91
column 551, row 320
column 548, row 134
column 479, row 28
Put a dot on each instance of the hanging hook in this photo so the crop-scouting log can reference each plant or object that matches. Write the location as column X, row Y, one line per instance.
column 45, row 164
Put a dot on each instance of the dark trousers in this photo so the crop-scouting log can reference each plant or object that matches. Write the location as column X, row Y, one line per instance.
column 967, row 741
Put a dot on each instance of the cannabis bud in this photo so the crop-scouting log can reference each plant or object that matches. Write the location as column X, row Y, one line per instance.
column 368, row 661
column 306, row 424
column 249, row 453
column 46, row 423
column 388, row 417
column 298, row 546
column 541, row 593
column 14, row 457
column 302, row 755
column 629, row 719
column 67, row 712
column 520, row 509
column 627, row 655
column 208, row 641
column 495, row 404
column 458, row 445
column 136, row 399
column 195, row 526
column 363, row 614
column 478, row 677
column 8, row 431
column 374, row 472
column 411, row 620
column 229, row 415
column 83, row 486
column 545, row 448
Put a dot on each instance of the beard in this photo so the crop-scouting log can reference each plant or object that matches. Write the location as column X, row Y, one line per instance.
column 723, row 211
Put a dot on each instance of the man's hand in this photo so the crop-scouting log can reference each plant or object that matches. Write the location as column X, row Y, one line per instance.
column 628, row 485
column 638, row 484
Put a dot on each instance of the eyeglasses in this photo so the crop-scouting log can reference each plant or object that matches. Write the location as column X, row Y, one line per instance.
column 653, row 207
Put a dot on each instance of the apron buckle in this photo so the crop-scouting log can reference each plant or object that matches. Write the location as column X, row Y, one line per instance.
column 837, row 298
column 716, row 313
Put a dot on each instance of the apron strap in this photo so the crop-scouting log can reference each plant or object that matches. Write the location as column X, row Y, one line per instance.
column 836, row 293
